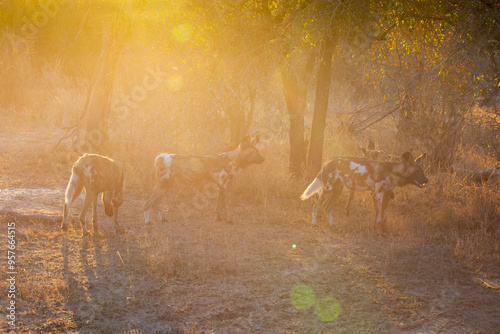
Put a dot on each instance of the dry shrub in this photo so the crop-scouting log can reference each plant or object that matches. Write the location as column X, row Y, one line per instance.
column 483, row 132
column 479, row 249
column 31, row 96
column 464, row 215
column 483, row 206
column 16, row 78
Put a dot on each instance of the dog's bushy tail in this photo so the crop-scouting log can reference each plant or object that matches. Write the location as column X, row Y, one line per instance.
column 161, row 166
column 73, row 190
column 158, row 165
column 314, row 187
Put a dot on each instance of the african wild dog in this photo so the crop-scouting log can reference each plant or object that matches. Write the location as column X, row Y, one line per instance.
column 381, row 178
column 97, row 174
column 195, row 171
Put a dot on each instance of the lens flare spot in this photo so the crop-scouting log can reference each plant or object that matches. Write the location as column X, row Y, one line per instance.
column 302, row 297
column 183, row 32
column 327, row 309
column 294, row 246
column 175, row 81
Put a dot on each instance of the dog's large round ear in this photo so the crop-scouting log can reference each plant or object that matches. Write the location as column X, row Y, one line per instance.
column 245, row 141
column 255, row 140
column 407, row 157
column 421, row 158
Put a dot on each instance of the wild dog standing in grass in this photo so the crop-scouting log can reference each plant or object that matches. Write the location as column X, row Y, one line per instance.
column 194, row 171
column 381, row 178
column 97, row 174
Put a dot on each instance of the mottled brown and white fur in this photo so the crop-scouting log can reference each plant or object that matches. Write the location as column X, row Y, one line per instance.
column 196, row 170
column 372, row 154
column 97, row 174
column 358, row 174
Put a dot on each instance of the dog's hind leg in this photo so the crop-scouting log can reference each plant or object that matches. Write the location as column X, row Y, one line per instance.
column 321, row 200
column 157, row 208
column 335, row 194
column 115, row 220
column 73, row 190
column 348, row 205
column 154, row 200
column 90, row 197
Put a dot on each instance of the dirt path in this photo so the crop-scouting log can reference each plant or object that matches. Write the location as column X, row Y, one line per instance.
column 191, row 274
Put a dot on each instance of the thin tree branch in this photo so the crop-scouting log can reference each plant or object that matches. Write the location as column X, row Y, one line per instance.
column 379, row 119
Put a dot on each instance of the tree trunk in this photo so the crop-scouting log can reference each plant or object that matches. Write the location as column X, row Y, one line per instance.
column 295, row 92
column 97, row 108
column 321, row 103
column 296, row 132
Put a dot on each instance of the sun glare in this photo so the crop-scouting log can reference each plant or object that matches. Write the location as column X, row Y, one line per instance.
column 302, row 297
column 183, row 32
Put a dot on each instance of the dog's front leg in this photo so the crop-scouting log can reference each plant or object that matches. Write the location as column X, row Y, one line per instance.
column 115, row 219
column 348, row 205
column 117, row 201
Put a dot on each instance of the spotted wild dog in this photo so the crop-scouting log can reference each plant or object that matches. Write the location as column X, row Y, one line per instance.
column 195, row 171
column 97, row 174
column 381, row 178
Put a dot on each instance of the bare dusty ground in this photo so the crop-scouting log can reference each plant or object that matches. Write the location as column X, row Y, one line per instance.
column 192, row 274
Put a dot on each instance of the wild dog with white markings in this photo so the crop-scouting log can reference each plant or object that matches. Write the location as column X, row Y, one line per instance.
column 97, row 174
column 195, row 171
column 357, row 174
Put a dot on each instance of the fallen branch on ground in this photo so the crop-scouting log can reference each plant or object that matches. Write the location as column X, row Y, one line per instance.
column 38, row 217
